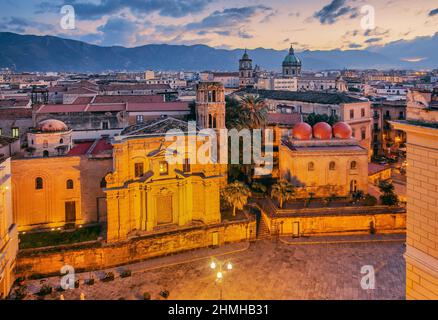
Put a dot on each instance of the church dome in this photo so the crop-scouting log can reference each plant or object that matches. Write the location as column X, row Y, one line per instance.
column 52, row 125
column 342, row 130
column 322, row 131
column 245, row 56
column 302, row 131
column 291, row 59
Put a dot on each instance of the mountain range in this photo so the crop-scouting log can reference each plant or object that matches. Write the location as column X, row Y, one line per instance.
column 49, row 53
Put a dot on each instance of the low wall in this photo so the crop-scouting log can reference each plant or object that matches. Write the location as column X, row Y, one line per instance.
column 98, row 255
column 335, row 221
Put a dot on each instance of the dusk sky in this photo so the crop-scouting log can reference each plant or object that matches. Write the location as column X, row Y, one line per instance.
column 310, row 24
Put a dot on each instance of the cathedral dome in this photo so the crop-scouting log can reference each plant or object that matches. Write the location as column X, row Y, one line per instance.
column 291, row 59
column 52, row 125
column 302, row 131
column 322, row 131
column 342, row 130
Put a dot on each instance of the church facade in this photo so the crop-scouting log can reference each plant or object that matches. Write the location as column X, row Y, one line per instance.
column 146, row 193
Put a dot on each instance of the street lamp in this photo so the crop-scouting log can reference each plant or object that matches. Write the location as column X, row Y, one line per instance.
column 221, row 269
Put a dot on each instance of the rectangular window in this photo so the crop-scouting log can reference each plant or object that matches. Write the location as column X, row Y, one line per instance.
column 15, row 133
column 186, row 165
column 138, row 170
column 351, row 114
column 362, row 112
column 164, row 168
column 140, row 119
column 363, row 134
column 105, row 125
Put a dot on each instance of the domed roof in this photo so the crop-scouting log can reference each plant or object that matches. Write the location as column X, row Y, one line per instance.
column 245, row 56
column 291, row 58
column 302, row 131
column 322, row 131
column 52, row 125
column 342, row 130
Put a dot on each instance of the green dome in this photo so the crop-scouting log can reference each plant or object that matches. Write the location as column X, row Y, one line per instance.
column 245, row 56
column 291, row 58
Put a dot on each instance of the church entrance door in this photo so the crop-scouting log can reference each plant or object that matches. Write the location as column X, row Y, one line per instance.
column 164, row 210
column 70, row 214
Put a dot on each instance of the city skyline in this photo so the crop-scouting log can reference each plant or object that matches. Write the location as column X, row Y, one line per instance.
column 314, row 25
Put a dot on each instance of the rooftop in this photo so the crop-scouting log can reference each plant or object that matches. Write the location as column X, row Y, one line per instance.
column 308, row 96
column 96, row 148
column 287, row 119
column 4, row 140
column 156, row 127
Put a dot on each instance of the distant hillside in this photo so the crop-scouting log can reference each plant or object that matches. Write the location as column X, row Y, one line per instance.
column 48, row 53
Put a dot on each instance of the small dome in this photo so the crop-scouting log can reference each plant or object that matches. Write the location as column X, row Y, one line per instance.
column 291, row 59
column 342, row 130
column 302, row 131
column 322, row 131
column 52, row 125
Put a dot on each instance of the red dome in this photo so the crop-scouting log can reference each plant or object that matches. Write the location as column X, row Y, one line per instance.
column 322, row 131
column 342, row 130
column 302, row 131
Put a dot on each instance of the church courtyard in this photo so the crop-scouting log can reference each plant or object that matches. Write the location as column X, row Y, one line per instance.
column 313, row 268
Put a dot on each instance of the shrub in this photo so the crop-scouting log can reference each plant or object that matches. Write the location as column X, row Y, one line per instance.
column 109, row 276
column 20, row 293
column 89, row 282
column 45, row 290
column 370, row 200
column 146, row 296
column 125, row 274
column 59, row 289
column 76, row 284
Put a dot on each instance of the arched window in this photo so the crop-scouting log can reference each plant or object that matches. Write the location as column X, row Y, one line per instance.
column 39, row 183
column 45, row 154
column 311, row 166
column 70, row 184
column 353, row 165
column 61, row 140
column 332, row 166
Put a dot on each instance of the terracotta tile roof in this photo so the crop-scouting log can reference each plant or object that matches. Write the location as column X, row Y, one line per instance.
column 80, row 148
column 136, row 86
column 133, row 107
column 374, row 168
column 130, row 99
column 13, row 114
column 164, row 106
column 83, row 100
column 289, row 119
column 92, row 148
column 80, row 91
column 61, row 108
column 14, row 103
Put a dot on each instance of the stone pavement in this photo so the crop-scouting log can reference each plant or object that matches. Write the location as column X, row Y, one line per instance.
column 264, row 270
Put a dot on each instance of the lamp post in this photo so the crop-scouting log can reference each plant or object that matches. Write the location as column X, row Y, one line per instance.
column 220, row 269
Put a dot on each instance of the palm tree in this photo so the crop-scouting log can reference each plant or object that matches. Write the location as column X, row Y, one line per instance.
column 283, row 191
column 236, row 194
column 255, row 111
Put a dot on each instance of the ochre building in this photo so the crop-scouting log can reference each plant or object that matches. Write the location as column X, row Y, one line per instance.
column 323, row 161
column 146, row 193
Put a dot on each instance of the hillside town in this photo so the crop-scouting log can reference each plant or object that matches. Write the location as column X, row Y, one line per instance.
column 86, row 181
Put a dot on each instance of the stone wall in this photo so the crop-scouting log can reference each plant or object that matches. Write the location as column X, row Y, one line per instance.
column 336, row 221
column 95, row 256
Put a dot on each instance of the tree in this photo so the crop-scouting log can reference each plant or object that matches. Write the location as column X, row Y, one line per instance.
column 283, row 191
column 388, row 197
column 233, row 113
column 255, row 112
column 236, row 194
column 314, row 118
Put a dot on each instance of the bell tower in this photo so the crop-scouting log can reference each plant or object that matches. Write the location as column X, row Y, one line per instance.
column 210, row 105
column 246, row 73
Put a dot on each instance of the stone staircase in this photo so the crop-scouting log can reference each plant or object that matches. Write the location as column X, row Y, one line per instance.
column 263, row 232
